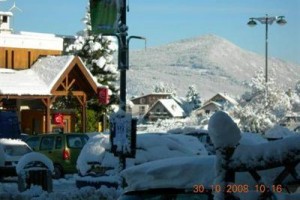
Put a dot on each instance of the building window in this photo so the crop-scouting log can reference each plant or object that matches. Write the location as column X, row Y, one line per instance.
column 4, row 19
column 29, row 58
column 12, row 59
column 142, row 110
column 6, row 58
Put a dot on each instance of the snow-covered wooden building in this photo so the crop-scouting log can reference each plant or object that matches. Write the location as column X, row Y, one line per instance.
column 34, row 74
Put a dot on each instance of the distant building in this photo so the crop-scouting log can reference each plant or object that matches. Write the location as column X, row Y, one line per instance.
column 140, row 105
column 164, row 109
column 216, row 103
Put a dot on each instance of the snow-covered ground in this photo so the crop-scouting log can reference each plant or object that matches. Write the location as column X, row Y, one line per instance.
column 251, row 150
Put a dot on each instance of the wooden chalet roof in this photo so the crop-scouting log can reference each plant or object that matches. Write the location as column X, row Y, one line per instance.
column 48, row 76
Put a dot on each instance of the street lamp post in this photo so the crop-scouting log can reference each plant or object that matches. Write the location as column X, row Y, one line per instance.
column 267, row 20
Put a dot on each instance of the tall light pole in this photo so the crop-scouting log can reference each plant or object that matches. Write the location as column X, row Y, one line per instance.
column 267, row 20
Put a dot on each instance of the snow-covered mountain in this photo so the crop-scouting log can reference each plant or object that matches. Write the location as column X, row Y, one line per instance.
column 209, row 62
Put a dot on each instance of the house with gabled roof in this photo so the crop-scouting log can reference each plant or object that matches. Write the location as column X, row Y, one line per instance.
column 220, row 101
column 164, row 109
column 140, row 105
column 32, row 92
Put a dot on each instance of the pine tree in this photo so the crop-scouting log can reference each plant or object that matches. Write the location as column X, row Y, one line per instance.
column 193, row 100
column 97, row 53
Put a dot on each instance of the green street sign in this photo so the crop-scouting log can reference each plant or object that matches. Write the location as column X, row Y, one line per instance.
column 105, row 16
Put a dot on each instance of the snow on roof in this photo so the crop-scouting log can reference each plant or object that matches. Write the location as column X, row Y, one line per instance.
column 225, row 96
column 50, row 68
column 38, row 80
column 12, row 141
column 33, row 157
column 172, row 106
column 153, row 93
column 230, row 99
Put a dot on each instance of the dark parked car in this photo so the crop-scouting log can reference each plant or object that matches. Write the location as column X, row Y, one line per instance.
column 62, row 149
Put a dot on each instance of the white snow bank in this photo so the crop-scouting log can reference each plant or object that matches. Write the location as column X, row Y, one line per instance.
column 266, row 154
column 33, row 157
column 150, row 146
column 223, row 131
column 252, row 138
column 278, row 132
column 183, row 172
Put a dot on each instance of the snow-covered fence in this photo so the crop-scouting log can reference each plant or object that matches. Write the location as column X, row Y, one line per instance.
column 233, row 157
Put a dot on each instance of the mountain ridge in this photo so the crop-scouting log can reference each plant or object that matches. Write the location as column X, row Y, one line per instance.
column 211, row 63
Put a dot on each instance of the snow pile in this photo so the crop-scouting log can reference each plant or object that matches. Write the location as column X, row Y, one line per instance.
column 278, row 132
column 223, row 131
column 153, row 147
column 93, row 151
column 33, row 157
column 275, row 153
column 252, row 138
column 150, row 146
column 182, row 172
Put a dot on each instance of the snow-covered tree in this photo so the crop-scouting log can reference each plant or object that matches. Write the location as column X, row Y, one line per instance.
column 295, row 97
column 97, row 53
column 193, row 100
column 164, row 88
column 297, row 87
column 264, row 106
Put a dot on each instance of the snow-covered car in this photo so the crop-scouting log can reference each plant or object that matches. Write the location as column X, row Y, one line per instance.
column 297, row 129
column 172, row 178
column 11, row 150
column 203, row 136
column 95, row 159
column 200, row 133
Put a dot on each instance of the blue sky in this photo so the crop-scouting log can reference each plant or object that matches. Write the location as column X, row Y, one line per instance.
column 165, row 21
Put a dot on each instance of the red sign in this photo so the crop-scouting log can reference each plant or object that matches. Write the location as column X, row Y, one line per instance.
column 103, row 96
column 58, row 119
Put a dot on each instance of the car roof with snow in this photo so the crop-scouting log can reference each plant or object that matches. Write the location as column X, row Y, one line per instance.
column 150, row 146
column 8, row 141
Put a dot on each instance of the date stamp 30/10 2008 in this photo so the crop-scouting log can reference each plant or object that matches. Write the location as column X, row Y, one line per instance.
column 238, row 188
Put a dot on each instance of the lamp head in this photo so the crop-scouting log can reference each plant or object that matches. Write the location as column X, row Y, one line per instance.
column 251, row 23
column 281, row 20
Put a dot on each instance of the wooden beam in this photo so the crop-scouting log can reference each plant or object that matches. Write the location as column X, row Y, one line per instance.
column 71, row 84
column 66, row 93
column 24, row 96
column 84, row 114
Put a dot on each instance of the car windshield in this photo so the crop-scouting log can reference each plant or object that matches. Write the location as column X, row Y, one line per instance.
column 16, row 150
column 76, row 141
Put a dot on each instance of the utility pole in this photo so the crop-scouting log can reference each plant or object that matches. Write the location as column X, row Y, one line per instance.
column 123, row 56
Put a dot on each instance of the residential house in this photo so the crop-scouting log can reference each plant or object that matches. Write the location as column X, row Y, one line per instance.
column 220, row 101
column 140, row 105
column 164, row 109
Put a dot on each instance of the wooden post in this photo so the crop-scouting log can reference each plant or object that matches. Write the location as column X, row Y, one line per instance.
column 47, row 103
